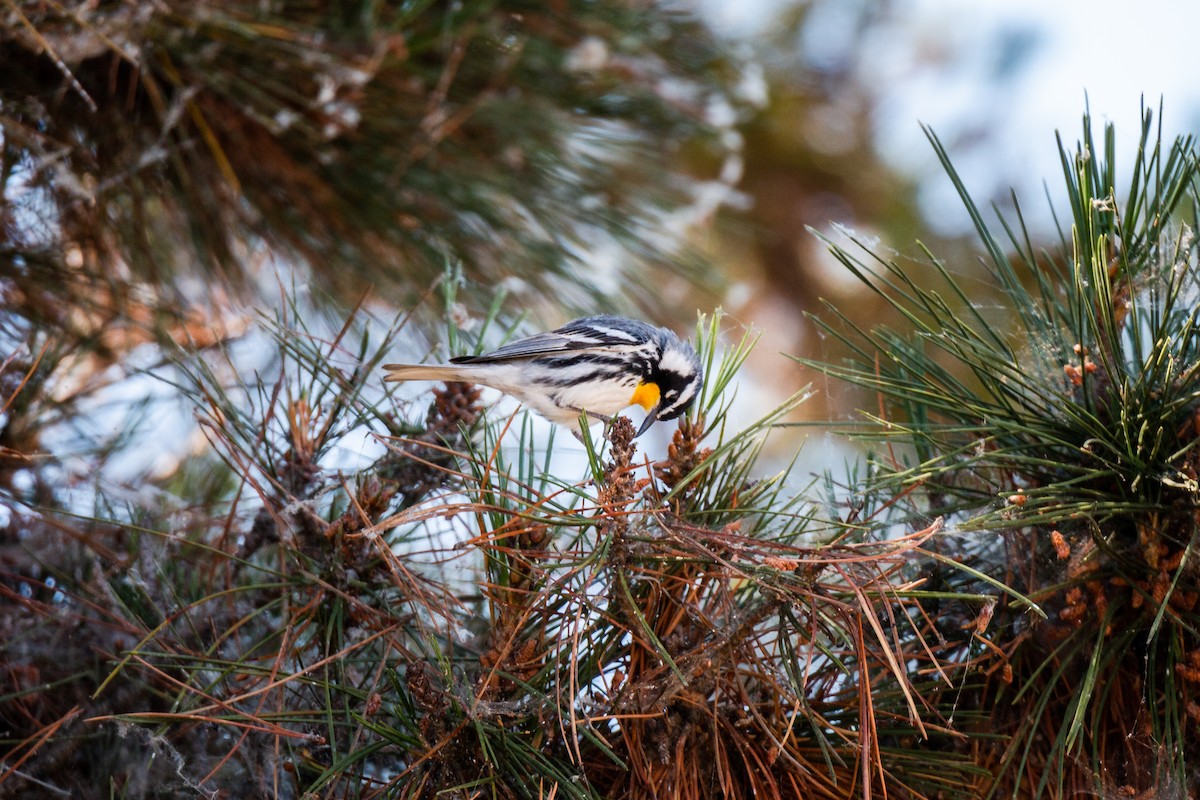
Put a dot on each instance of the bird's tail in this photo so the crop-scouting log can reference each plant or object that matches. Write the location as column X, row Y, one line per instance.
column 426, row 372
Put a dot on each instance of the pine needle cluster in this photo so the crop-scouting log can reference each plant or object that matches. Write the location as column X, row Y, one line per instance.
column 454, row 616
column 1057, row 434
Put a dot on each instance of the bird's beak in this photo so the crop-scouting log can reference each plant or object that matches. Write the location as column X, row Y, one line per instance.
column 651, row 416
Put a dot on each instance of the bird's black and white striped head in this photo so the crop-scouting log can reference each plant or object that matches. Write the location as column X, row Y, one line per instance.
column 679, row 377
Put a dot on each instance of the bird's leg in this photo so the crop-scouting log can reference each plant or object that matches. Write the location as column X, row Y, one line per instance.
column 601, row 417
column 592, row 414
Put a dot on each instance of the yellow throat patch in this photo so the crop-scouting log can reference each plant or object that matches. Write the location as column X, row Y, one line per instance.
column 645, row 395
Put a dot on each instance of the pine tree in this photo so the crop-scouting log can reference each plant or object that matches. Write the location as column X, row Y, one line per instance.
column 1056, row 434
column 159, row 144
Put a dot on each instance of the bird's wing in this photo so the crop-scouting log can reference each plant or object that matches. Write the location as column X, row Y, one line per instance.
column 540, row 344
column 581, row 334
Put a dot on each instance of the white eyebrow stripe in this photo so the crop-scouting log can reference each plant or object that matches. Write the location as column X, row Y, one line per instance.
column 674, row 360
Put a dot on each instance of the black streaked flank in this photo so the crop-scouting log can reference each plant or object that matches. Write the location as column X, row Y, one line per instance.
column 574, row 379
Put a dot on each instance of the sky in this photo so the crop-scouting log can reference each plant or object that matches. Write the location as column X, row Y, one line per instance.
column 1061, row 57
column 1018, row 70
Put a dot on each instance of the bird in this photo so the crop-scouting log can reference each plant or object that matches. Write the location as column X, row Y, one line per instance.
column 597, row 366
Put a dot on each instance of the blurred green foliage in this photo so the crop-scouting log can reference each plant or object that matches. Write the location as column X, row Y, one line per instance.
column 183, row 145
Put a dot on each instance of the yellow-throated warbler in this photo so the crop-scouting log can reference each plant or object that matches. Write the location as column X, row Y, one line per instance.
column 598, row 365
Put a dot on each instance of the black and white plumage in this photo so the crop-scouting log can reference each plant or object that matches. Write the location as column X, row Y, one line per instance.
column 599, row 365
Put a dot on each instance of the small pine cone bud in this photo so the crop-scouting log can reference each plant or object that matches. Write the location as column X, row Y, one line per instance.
column 455, row 405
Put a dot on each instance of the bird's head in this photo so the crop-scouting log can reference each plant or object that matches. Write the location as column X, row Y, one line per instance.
column 673, row 385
